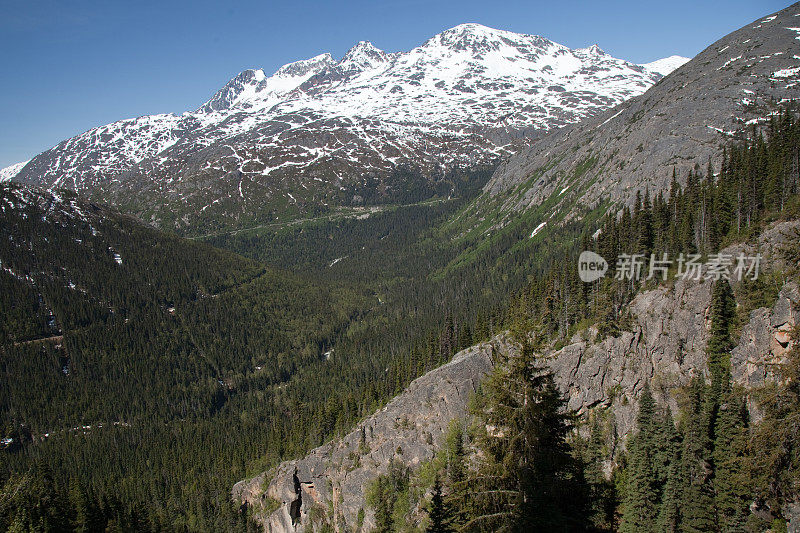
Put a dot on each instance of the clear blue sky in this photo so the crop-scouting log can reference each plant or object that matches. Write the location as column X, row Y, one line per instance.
column 67, row 66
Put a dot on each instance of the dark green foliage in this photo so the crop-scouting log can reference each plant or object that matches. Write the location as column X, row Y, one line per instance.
column 387, row 495
column 651, row 455
column 439, row 514
column 193, row 367
column 592, row 453
column 697, row 505
column 723, row 309
column 701, row 483
column 641, row 493
column 526, row 479
column 757, row 180
column 733, row 476
column 669, row 512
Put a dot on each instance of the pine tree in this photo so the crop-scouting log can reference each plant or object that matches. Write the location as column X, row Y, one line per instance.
column 85, row 512
column 723, row 309
column 697, row 496
column 732, row 473
column 381, row 500
column 640, row 505
column 669, row 512
column 527, row 479
column 644, row 225
column 456, row 498
column 438, row 513
column 602, row 495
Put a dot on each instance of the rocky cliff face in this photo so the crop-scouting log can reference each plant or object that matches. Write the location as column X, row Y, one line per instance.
column 683, row 120
column 333, row 477
column 664, row 347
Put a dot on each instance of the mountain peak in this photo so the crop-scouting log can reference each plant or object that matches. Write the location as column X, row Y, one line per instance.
column 306, row 66
column 6, row 174
column 469, row 36
column 253, row 85
column 246, row 81
column 363, row 56
column 471, row 27
column 480, row 39
column 596, row 50
column 479, row 86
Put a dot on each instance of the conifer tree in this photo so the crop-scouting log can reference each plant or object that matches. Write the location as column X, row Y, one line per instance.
column 644, row 226
column 732, row 471
column 527, row 479
column 697, row 495
column 669, row 512
column 723, row 308
column 438, row 513
column 602, row 500
column 640, row 506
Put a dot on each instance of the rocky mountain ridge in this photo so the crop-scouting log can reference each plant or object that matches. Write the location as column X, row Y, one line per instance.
column 297, row 139
column 682, row 121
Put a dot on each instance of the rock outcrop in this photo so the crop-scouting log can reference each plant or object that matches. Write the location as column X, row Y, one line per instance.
column 665, row 346
column 333, row 477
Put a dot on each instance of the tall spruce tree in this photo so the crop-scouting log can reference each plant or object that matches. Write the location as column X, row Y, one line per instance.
column 651, row 452
column 697, row 495
column 723, row 309
column 526, row 479
column 438, row 512
column 732, row 467
column 669, row 512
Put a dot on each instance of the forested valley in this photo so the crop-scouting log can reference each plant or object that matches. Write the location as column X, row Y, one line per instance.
column 141, row 374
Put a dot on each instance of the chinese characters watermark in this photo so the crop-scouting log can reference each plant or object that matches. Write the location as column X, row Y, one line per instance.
column 592, row 267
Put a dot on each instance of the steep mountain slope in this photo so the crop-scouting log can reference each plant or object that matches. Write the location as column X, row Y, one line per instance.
column 680, row 122
column 409, row 427
column 601, row 160
column 72, row 271
column 664, row 346
column 318, row 130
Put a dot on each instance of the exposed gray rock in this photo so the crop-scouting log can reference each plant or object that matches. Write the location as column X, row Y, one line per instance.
column 409, row 428
column 792, row 514
column 682, row 121
column 664, row 347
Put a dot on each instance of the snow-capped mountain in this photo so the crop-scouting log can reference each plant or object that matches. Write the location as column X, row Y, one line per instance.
column 9, row 172
column 300, row 137
column 739, row 82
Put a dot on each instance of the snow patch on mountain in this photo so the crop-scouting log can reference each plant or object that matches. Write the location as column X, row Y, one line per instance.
column 6, row 174
column 666, row 65
column 252, row 89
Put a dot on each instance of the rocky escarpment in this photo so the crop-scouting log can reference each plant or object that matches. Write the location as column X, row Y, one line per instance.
column 333, row 477
column 682, row 121
column 665, row 346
